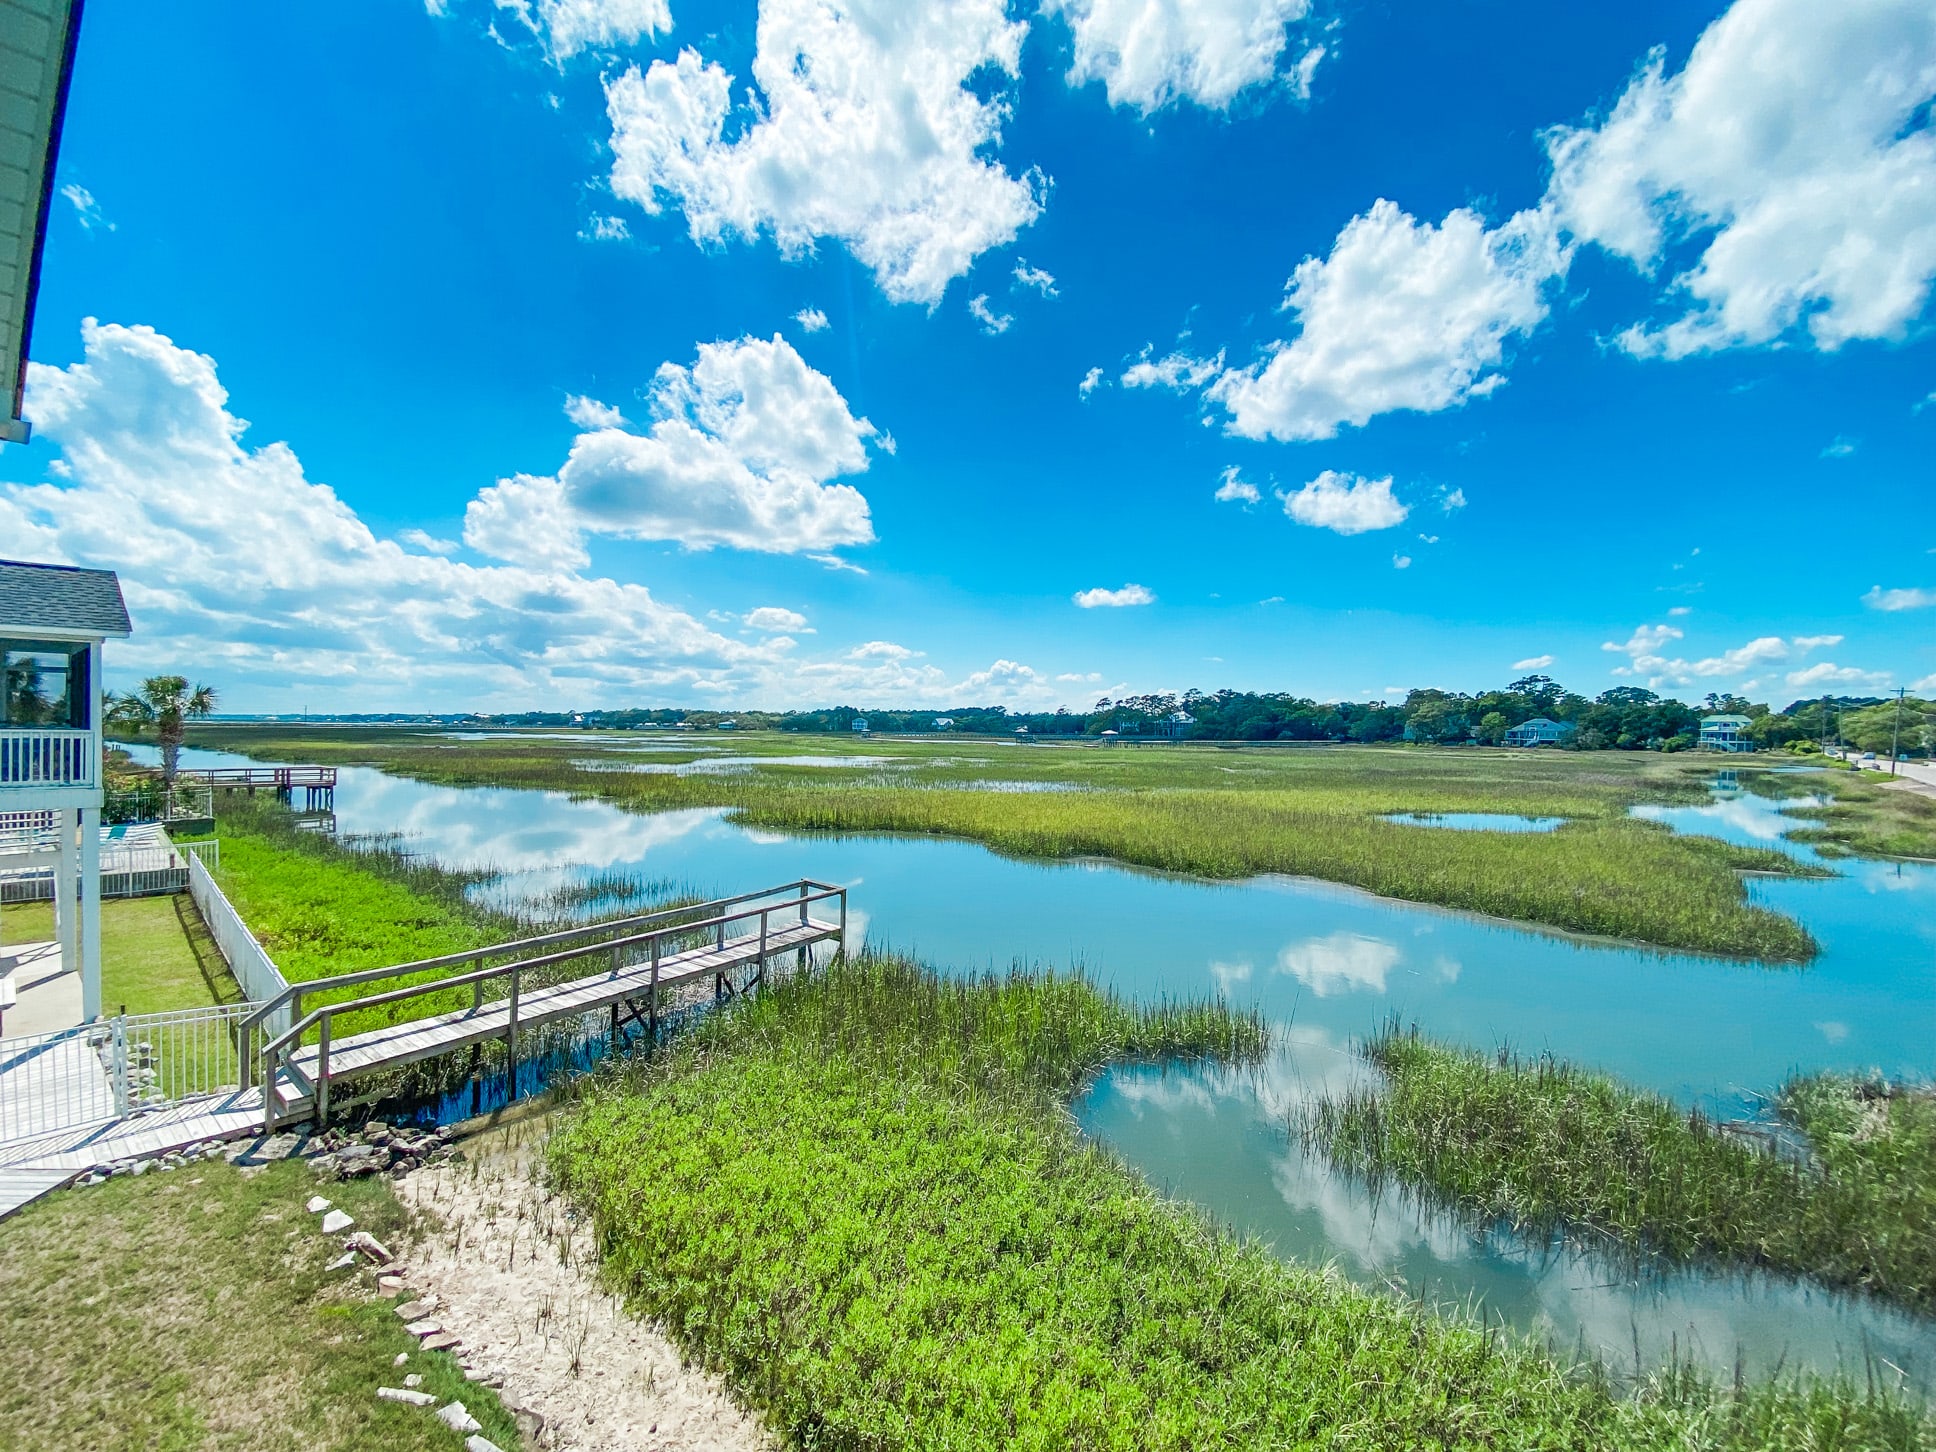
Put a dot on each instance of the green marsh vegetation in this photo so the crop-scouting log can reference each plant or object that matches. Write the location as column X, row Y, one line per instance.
column 191, row 1310
column 1547, row 1147
column 1209, row 812
column 861, row 1197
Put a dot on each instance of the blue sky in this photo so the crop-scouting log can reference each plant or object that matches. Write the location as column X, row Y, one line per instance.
column 598, row 352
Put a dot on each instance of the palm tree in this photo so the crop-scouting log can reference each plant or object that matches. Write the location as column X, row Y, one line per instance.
column 168, row 704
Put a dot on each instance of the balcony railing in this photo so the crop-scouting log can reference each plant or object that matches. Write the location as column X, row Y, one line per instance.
column 47, row 756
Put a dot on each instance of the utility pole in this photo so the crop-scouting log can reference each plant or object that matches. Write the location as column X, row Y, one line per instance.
column 1895, row 736
column 1825, row 725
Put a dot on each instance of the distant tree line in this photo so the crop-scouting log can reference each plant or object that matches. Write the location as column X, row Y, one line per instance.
column 1625, row 718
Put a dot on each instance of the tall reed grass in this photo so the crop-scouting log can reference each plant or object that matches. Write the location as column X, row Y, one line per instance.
column 860, row 1197
column 1544, row 1146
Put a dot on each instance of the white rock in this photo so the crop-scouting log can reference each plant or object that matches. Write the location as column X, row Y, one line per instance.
column 413, row 1380
column 362, row 1240
column 336, row 1220
column 411, row 1398
column 403, row 1359
column 317, row 1205
column 342, row 1262
column 481, row 1444
column 458, row 1419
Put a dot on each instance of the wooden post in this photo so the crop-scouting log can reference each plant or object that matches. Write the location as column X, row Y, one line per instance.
column 843, row 922
column 322, row 1071
column 511, row 1044
column 652, row 1011
column 759, row 973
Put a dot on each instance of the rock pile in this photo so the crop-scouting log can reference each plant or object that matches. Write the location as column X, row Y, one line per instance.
column 379, row 1149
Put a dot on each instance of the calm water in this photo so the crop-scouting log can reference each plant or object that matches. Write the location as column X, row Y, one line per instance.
column 1328, row 964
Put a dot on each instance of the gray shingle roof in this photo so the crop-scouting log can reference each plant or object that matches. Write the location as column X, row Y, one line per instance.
column 61, row 597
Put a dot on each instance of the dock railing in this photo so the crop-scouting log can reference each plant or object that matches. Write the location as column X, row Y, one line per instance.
column 621, row 943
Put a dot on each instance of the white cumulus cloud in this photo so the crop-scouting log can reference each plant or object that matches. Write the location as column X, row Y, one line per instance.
column 1179, row 371
column 811, row 320
column 1234, row 490
column 1091, row 381
column 1151, row 53
column 1904, row 599
column 237, row 565
column 1035, row 277
column 1533, row 663
column 865, row 130
column 1346, row 503
column 743, row 451
column 1402, row 315
column 589, row 413
column 1100, row 598
column 777, row 618
column 1793, row 150
column 570, row 26
column 991, row 321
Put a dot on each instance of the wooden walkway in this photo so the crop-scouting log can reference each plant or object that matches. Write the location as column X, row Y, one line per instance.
column 639, row 960
column 727, row 944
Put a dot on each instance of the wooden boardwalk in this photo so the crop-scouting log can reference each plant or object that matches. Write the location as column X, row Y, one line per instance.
column 635, row 964
column 639, row 960
column 629, row 990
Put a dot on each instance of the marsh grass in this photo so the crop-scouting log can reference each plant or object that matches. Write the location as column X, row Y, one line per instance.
column 1212, row 813
column 1546, row 1147
column 861, row 1197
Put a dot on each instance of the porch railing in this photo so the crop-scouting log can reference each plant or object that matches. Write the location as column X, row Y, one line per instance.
column 47, row 756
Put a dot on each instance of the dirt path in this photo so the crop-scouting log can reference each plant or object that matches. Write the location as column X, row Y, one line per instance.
column 515, row 1279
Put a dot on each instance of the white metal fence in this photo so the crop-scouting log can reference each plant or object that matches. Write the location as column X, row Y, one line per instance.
column 113, row 1068
column 259, row 977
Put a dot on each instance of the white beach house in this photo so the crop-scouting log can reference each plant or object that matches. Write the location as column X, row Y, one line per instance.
column 53, row 620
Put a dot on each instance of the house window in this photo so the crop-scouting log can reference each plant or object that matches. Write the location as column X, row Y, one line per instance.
column 44, row 683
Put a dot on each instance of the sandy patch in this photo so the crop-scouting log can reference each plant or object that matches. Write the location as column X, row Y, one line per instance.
column 516, row 1279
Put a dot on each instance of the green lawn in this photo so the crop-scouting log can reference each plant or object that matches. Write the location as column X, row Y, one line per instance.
column 190, row 1310
column 156, row 953
column 861, row 1197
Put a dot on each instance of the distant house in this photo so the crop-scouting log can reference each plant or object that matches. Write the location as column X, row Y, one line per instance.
column 860, row 726
column 944, row 723
column 1726, row 733
column 1175, row 726
column 1111, row 737
column 1539, row 731
column 1022, row 734
column 729, row 725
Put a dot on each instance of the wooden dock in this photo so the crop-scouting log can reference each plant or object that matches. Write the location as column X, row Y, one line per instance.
column 726, row 943
column 316, row 783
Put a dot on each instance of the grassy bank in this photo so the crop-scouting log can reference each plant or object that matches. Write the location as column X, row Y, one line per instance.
column 1223, row 814
column 1545, row 1146
column 1870, row 817
column 191, row 1310
column 861, row 1197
